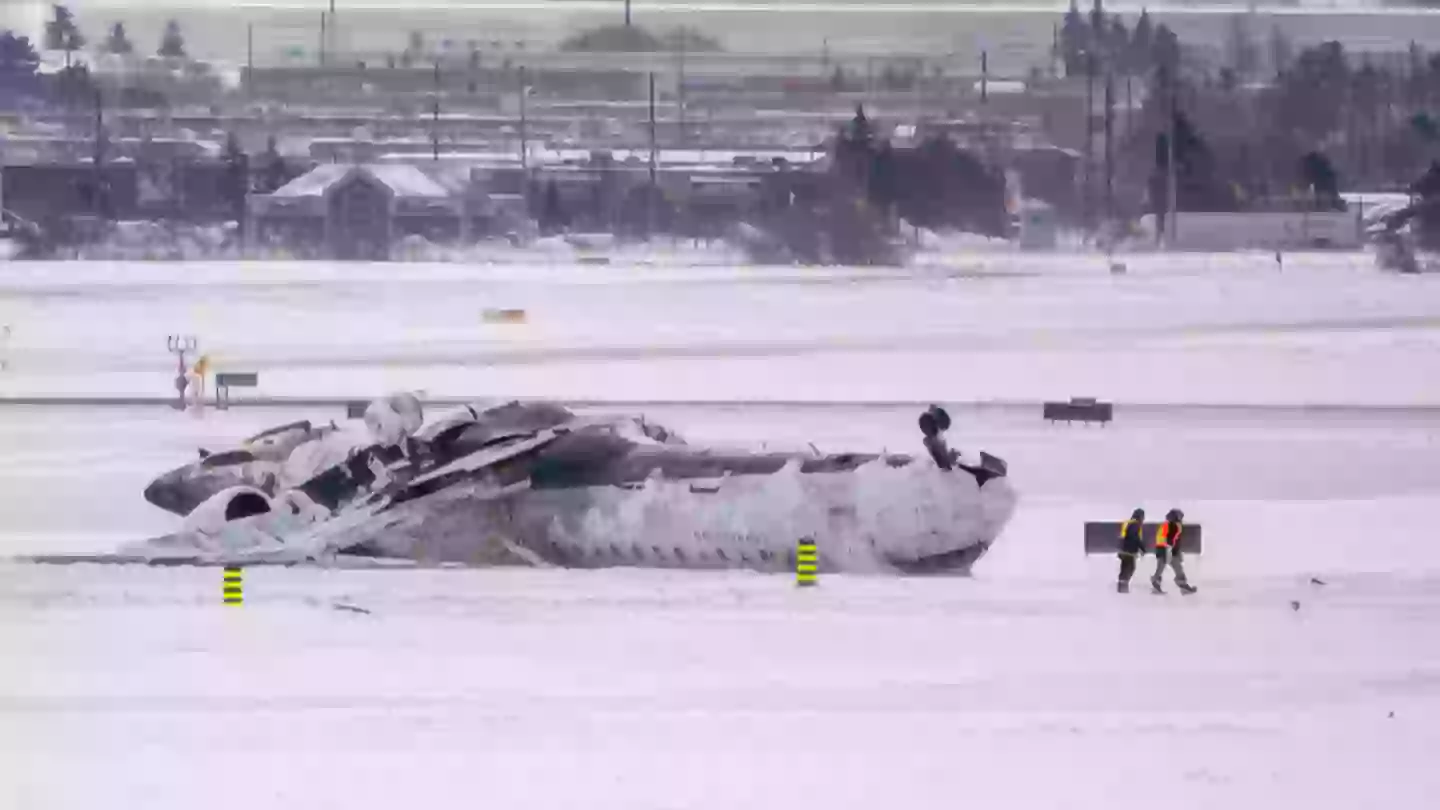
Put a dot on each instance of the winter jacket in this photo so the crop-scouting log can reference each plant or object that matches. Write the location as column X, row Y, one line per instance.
column 1170, row 535
column 1132, row 537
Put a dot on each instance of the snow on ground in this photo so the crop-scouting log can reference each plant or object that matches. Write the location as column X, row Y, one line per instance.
column 644, row 690
column 1030, row 685
column 1328, row 329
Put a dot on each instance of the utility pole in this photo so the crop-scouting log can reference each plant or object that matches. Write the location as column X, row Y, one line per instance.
column 870, row 83
column 322, row 39
column 1129, row 108
column 650, row 198
column 680, row 89
column 984, row 77
column 524, row 147
column 1171, row 197
column 98, row 203
column 250, row 60
column 1054, row 50
column 435, row 117
column 1088, row 195
column 1174, row 174
column 918, row 97
column 627, row 13
column 1109, row 147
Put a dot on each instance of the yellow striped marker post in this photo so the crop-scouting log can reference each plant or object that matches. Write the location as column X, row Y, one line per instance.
column 807, row 563
column 233, row 589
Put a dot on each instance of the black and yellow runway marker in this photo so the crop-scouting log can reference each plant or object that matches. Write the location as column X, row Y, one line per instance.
column 807, row 563
column 232, row 590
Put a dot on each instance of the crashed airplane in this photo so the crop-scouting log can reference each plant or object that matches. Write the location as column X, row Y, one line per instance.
column 535, row 484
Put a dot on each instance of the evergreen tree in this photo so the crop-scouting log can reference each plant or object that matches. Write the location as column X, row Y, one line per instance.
column 118, row 42
column 1199, row 185
column 1318, row 175
column 1099, row 30
column 1282, row 53
column 552, row 214
column 172, row 44
column 1314, row 92
column 1165, row 51
column 237, row 176
column 1241, row 51
column 17, row 56
column 18, row 65
column 61, row 33
column 273, row 171
column 1074, row 41
column 1141, row 54
column 1117, row 46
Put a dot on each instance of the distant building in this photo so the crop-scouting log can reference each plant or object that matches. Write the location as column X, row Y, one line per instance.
column 49, row 193
column 1037, row 225
column 1268, row 230
column 358, row 211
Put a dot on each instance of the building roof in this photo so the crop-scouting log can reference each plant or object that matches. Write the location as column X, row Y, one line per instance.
column 406, row 181
column 313, row 183
column 401, row 179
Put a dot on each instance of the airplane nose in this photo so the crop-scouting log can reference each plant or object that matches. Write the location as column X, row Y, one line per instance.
column 167, row 492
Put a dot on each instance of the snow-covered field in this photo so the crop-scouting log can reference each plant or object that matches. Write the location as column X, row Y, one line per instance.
column 1031, row 685
column 1325, row 330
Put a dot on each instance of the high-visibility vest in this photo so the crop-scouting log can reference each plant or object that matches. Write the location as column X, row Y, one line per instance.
column 1163, row 538
column 1124, row 530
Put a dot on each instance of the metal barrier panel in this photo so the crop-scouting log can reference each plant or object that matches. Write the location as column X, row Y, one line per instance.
column 237, row 380
column 1079, row 411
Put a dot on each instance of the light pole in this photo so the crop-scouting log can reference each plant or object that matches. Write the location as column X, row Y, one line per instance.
column 1172, row 196
column 524, row 147
column 435, row 117
column 250, row 60
column 180, row 345
column 650, row 198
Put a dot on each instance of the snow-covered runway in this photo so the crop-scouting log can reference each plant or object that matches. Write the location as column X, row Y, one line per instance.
column 1328, row 330
column 650, row 690
column 1031, row 685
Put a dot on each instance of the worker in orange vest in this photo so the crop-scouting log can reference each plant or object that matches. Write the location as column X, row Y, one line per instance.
column 1132, row 545
column 1169, row 549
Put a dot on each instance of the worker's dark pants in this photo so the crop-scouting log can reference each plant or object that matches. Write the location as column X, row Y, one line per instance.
column 1176, row 561
column 1127, row 566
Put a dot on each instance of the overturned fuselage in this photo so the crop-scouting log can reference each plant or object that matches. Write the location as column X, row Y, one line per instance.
column 534, row 484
